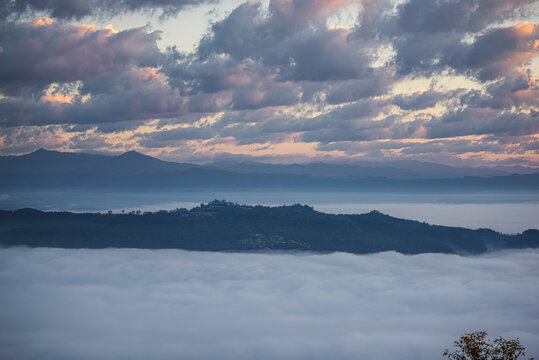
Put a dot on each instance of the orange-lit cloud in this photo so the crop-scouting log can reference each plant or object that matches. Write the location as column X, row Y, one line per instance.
column 44, row 21
column 58, row 98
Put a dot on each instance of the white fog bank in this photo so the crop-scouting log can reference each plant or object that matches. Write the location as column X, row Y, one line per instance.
column 172, row 304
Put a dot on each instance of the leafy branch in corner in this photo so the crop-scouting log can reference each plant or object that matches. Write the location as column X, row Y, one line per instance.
column 476, row 346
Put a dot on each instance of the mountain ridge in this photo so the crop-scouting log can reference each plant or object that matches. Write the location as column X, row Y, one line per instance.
column 52, row 169
column 224, row 226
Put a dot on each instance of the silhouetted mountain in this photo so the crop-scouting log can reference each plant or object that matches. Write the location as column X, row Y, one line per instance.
column 53, row 162
column 404, row 170
column 43, row 168
column 222, row 226
column 429, row 170
column 50, row 169
column 317, row 169
column 434, row 170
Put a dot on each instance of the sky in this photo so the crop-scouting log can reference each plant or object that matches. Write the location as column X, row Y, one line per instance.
column 173, row 304
column 449, row 81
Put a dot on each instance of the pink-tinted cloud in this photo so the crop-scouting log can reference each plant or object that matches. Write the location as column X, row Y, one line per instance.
column 37, row 54
column 286, row 41
column 431, row 36
column 281, row 75
column 501, row 50
column 140, row 93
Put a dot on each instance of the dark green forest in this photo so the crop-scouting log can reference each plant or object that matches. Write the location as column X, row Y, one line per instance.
column 225, row 226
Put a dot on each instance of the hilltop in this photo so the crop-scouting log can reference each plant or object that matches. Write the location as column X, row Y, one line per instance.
column 224, row 226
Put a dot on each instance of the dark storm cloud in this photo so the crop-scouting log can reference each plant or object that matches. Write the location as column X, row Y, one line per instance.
column 35, row 55
column 139, row 304
column 76, row 9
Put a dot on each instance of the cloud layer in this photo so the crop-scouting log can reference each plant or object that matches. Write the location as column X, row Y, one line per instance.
column 287, row 78
column 136, row 304
column 76, row 9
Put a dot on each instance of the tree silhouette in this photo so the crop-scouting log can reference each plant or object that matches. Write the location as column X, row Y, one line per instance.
column 475, row 346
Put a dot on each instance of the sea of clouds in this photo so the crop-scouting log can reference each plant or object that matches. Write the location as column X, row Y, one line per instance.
column 172, row 304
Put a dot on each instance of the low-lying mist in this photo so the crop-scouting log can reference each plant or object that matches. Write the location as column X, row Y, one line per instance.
column 172, row 304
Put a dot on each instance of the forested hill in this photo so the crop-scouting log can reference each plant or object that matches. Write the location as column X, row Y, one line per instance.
column 222, row 226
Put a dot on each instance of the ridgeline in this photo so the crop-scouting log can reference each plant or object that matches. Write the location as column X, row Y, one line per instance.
column 224, row 226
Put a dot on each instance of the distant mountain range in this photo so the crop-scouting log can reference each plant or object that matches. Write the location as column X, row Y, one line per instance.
column 222, row 226
column 404, row 170
column 50, row 169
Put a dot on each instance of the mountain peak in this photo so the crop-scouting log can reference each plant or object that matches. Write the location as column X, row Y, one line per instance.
column 133, row 154
column 41, row 152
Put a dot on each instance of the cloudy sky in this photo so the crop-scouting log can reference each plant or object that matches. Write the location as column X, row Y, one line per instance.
column 170, row 304
column 451, row 81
